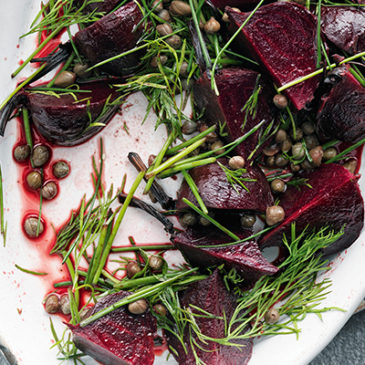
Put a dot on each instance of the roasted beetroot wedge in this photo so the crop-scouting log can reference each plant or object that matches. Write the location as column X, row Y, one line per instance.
column 334, row 200
column 282, row 36
column 112, row 35
column 65, row 122
column 211, row 296
column 344, row 27
column 118, row 338
column 235, row 87
column 218, row 193
column 197, row 246
column 342, row 113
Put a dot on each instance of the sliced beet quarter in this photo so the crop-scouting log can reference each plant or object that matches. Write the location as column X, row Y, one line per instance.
column 197, row 246
column 235, row 87
column 212, row 296
column 334, row 200
column 218, row 193
column 112, row 35
column 282, row 37
column 118, row 338
column 342, row 113
column 63, row 121
column 344, row 27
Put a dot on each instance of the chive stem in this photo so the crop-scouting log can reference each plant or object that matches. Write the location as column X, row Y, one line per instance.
column 144, row 248
column 64, row 67
column 346, row 151
column 194, row 189
column 188, row 166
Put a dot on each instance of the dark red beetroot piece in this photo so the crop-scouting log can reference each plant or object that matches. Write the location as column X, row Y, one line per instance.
column 242, row 4
column 218, row 193
column 100, row 6
column 63, row 121
column 235, row 86
column 342, row 113
column 344, row 27
column 112, row 35
column 282, row 36
column 118, row 338
column 211, row 296
column 334, row 201
column 245, row 257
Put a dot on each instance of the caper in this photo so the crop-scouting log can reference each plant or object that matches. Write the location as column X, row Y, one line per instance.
column 278, row 186
column 85, row 312
column 329, row 153
column 271, row 150
column 164, row 15
column 298, row 134
column 164, row 29
column 132, row 269
column 308, row 128
column 80, row 70
column 162, row 59
column 179, row 8
column 188, row 127
column 270, row 161
column 65, row 304
column 138, row 307
column 286, row 145
column 281, row 136
column 274, row 214
column 52, row 304
column 280, row 101
column 316, row 154
column 40, row 155
column 281, row 161
column 272, row 316
column 157, row 5
column 65, row 79
column 212, row 26
column 155, row 262
column 311, row 141
column 247, row 221
column 217, row 147
column 298, row 151
column 236, row 162
column 306, row 165
column 49, row 190
column 350, row 165
column 174, row 41
column 60, row 169
column 30, row 227
column 160, row 309
column 21, row 153
column 188, row 219
column 204, row 222
column 34, row 180
column 294, row 168
column 225, row 18
column 183, row 69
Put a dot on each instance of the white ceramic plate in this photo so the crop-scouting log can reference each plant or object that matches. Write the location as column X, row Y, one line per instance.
column 24, row 325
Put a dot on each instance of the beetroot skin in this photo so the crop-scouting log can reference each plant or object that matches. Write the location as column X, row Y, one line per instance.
column 344, row 27
column 282, row 37
column 235, row 86
column 241, row 4
column 211, row 296
column 334, row 200
column 111, row 35
column 342, row 113
column 118, row 338
column 62, row 121
column 218, row 193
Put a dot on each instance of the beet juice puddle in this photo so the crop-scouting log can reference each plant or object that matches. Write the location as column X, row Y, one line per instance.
column 160, row 152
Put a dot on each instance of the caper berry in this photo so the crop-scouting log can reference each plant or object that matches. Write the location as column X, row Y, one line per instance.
column 274, row 214
column 247, row 221
column 21, row 153
column 65, row 304
column 60, row 169
column 34, row 180
column 236, row 162
column 65, row 79
column 278, row 186
column 155, row 262
column 138, row 307
column 49, row 190
column 329, row 153
column 132, row 269
column 52, row 304
column 30, row 227
column 272, row 316
column 40, row 155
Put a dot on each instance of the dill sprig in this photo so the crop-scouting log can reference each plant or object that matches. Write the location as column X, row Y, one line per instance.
column 234, row 177
column 343, row 154
column 30, row 271
column 250, row 107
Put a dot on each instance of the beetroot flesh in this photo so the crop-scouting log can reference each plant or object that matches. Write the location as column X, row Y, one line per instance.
column 62, row 121
column 282, row 36
column 245, row 257
column 344, row 27
column 218, row 193
column 113, row 34
column 342, row 113
column 118, row 338
column 334, row 200
column 104, row 6
column 235, row 86
column 212, row 296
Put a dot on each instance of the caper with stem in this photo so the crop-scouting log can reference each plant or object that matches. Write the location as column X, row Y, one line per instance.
column 31, row 225
column 34, row 180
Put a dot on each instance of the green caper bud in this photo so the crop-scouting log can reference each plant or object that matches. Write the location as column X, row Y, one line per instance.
column 30, row 227
column 298, row 151
column 212, row 26
column 188, row 127
column 164, row 15
column 65, row 79
column 217, row 147
column 350, row 165
column 138, row 307
column 274, row 214
column 278, row 186
column 286, row 145
column 236, row 162
column 329, row 153
column 155, row 262
column 281, row 161
column 281, row 136
column 316, row 154
column 311, row 141
column 34, row 180
column 40, row 155
column 174, row 41
column 179, row 8
column 247, row 221
column 21, row 153
column 280, row 101
column 49, row 190
column 132, row 269
column 65, row 304
column 60, row 169
column 272, row 316
column 52, row 304
column 164, row 29
column 80, row 70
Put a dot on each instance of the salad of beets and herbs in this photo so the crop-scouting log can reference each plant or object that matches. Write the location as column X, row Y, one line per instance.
column 269, row 157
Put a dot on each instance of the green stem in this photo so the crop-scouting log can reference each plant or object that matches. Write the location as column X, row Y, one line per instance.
column 188, row 166
column 319, row 50
column 175, row 158
column 144, row 248
column 65, row 67
column 194, row 189
column 346, row 151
